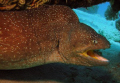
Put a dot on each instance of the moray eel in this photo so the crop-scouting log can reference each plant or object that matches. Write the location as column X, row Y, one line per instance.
column 47, row 34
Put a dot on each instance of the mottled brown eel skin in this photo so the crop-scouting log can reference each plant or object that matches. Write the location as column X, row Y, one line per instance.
column 47, row 34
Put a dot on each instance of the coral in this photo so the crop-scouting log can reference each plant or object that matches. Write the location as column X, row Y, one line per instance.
column 115, row 5
column 110, row 14
column 118, row 24
column 29, row 4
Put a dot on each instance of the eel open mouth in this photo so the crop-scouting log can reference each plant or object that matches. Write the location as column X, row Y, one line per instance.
column 92, row 54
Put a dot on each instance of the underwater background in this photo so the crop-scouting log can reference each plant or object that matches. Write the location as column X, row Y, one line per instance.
column 109, row 27
column 107, row 23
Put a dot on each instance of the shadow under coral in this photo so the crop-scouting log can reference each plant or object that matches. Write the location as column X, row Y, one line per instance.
column 58, row 72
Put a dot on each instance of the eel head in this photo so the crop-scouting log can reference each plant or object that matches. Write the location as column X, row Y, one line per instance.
column 83, row 41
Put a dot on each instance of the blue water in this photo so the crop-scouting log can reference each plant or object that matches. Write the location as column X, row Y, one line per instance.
column 102, row 8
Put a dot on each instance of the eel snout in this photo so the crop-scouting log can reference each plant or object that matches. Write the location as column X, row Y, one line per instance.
column 94, row 58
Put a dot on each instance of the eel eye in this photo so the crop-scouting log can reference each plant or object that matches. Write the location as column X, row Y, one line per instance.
column 95, row 41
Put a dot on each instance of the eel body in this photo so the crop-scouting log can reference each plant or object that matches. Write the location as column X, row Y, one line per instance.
column 47, row 34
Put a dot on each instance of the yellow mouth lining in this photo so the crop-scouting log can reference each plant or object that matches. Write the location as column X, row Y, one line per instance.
column 92, row 54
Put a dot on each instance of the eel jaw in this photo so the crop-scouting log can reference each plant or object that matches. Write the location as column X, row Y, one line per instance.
column 94, row 56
